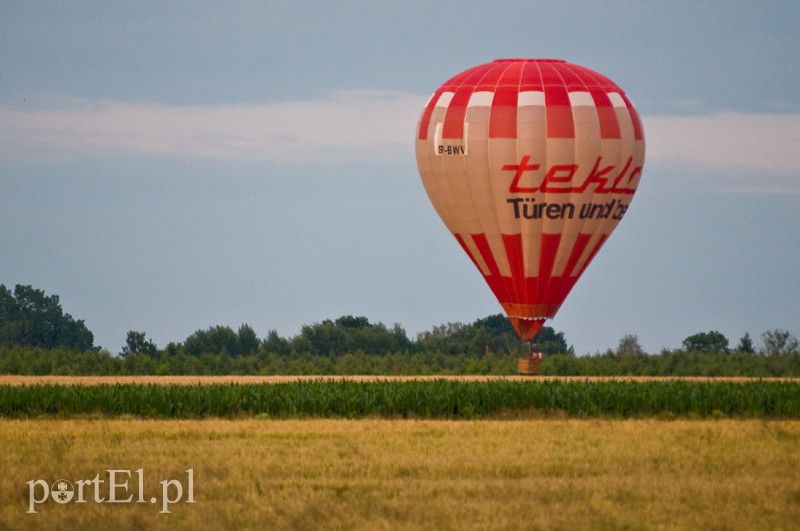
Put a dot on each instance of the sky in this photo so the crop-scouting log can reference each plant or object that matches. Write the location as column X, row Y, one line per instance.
column 168, row 166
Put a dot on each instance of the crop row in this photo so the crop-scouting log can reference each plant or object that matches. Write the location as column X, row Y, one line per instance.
column 415, row 398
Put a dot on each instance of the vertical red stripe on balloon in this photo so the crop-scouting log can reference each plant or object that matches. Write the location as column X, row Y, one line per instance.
column 609, row 125
column 482, row 243
column 503, row 117
column 558, row 112
column 556, row 95
column 547, row 255
column 454, row 119
column 425, row 121
column 560, row 123
column 516, row 262
column 518, row 289
column 600, row 97
column 577, row 251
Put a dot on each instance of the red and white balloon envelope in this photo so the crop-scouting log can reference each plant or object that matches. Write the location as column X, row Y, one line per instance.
column 531, row 164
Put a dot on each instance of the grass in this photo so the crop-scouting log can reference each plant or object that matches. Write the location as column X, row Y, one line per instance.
column 16, row 380
column 415, row 474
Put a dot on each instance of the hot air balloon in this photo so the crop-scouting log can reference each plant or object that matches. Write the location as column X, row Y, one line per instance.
column 531, row 164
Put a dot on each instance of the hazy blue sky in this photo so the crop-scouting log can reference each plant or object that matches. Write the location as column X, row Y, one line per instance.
column 169, row 166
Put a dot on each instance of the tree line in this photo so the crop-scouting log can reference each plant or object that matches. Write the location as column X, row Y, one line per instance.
column 37, row 337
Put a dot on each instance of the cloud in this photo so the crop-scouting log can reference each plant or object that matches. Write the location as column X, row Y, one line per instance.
column 760, row 142
column 732, row 152
column 351, row 125
column 358, row 125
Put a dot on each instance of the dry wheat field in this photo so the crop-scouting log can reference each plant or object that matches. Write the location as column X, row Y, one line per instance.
column 551, row 473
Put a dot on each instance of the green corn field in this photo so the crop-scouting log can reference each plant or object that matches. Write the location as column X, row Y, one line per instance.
column 440, row 399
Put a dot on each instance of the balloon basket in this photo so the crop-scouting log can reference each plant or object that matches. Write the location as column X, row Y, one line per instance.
column 528, row 365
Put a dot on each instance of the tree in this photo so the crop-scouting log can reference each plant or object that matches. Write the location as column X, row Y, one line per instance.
column 502, row 336
column 779, row 342
column 450, row 338
column 212, row 341
column 137, row 343
column 218, row 339
column 276, row 344
column 355, row 323
column 29, row 317
column 629, row 346
column 349, row 334
column 248, row 342
column 745, row 345
column 706, row 342
column 548, row 341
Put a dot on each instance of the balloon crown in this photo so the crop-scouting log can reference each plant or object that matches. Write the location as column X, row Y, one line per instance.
column 536, row 60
